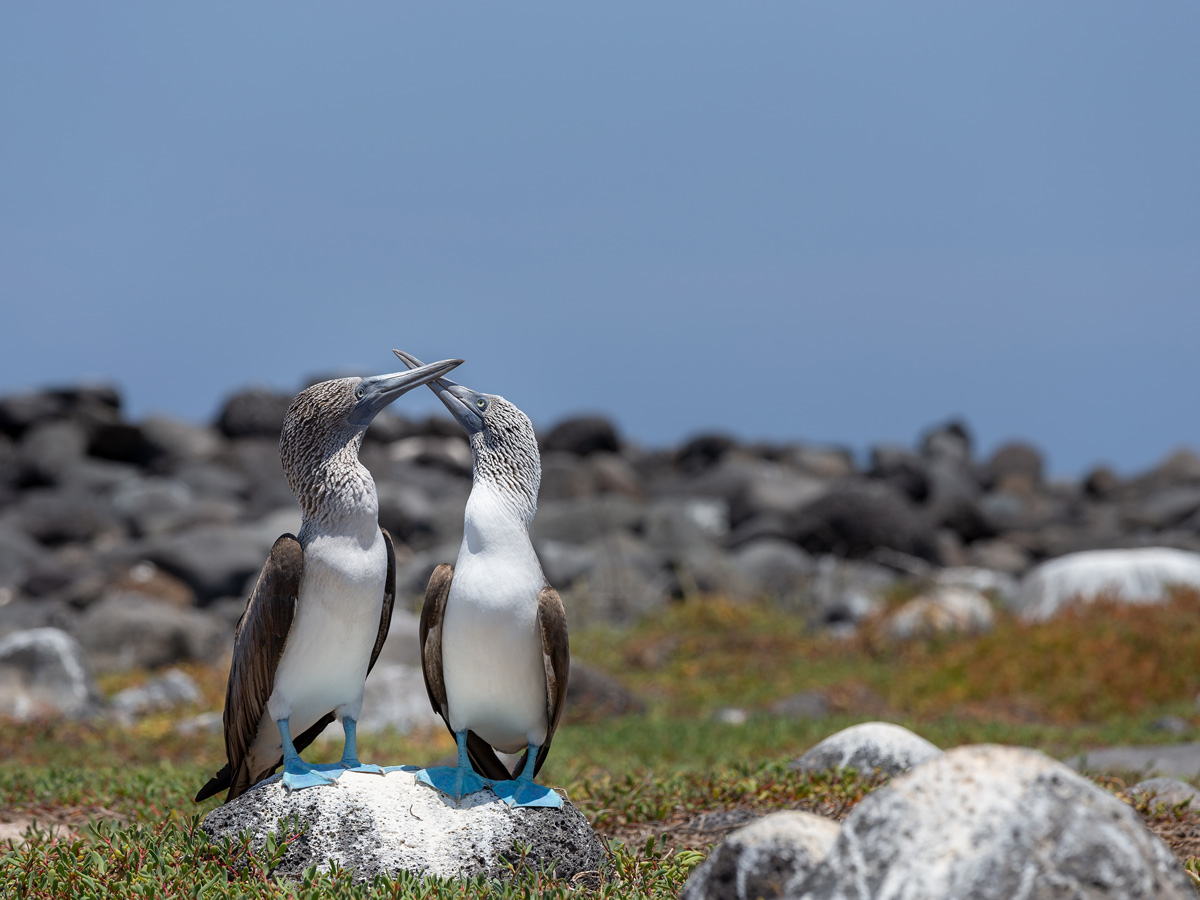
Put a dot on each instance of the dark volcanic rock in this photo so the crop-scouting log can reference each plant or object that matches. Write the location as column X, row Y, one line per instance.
column 122, row 442
column 703, row 451
column 174, row 441
column 19, row 412
column 49, row 449
column 581, row 436
column 54, row 517
column 256, row 412
column 902, row 469
column 855, row 519
column 1015, row 461
column 258, row 460
column 19, row 554
column 949, row 441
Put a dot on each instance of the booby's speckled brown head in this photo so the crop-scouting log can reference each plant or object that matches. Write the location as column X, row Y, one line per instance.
column 324, row 428
column 501, row 436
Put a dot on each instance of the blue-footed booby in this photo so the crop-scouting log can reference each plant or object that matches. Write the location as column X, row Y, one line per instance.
column 493, row 632
column 320, row 611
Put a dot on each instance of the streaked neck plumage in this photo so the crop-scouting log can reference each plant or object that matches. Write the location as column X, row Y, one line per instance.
column 507, row 473
column 335, row 491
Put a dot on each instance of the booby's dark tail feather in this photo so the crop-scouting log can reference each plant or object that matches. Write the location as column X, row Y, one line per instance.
column 484, row 759
column 216, row 784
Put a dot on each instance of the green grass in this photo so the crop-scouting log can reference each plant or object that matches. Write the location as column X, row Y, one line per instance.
column 115, row 819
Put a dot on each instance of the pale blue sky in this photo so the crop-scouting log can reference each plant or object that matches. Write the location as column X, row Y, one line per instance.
column 820, row 221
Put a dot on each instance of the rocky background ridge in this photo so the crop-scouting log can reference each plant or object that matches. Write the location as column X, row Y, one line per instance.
column 141, row 540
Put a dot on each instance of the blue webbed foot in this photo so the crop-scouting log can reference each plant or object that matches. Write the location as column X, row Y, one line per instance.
column 453, row 781
column 387, row 769
column 298, row 775
column 524, row 792
column 369, row 768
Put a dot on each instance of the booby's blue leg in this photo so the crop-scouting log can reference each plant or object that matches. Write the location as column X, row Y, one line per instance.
column 297, row 774
column 350, row 750
column 523, row 791
column 455, row 781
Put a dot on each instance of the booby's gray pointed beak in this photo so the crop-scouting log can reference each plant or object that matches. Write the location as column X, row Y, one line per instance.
column 461, row 401
column 378, row 391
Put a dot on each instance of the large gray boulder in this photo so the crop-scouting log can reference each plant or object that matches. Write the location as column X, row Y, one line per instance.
column 627, row 582
column 1141, row 575
column 49, row 449
column 582, row 435
column 374, row 824
column 1168, row 791
column 768, row 858
column 777, row 568
column 253, row 412
column 43, row 674
column 394, row 697
column 172, row 688
column 995, row 823
column 214, row 561
column 872, row 745
column 941, row 611
column 1182, row 760
column 584, row 520
column 844, row 591
column 856, row 519
column 125, row 630
column 19, row 555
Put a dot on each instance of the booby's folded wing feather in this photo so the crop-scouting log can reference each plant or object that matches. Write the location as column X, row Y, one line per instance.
column 433, row 611
column 389, row 599
column 258, row 644
column 556, row 656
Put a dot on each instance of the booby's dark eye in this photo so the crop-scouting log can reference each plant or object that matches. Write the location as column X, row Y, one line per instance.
column 360, row 392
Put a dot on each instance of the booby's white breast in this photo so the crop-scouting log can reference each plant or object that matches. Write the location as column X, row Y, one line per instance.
column 492, row 660
column 324, row 664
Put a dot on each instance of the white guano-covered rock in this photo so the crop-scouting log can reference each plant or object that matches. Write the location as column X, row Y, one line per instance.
column 768, row 858
column 869, row 746
column 995, row 823
column 43, row 674
column 389, row 823
column 1141, row 575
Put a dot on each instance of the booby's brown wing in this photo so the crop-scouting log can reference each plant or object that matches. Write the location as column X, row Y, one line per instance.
column 556, row 656
column 389, row 599
column 433, row 612
column 258, row 644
